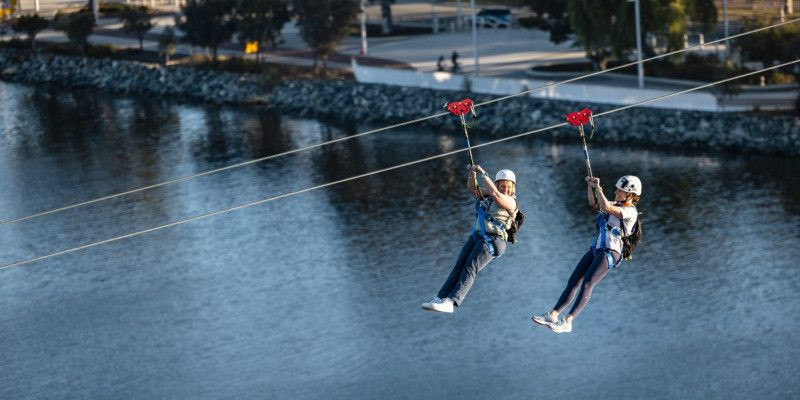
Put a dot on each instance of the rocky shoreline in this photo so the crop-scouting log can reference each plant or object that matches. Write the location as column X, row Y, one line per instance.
column 346, row 101
column 381, row 104
column 130, row 77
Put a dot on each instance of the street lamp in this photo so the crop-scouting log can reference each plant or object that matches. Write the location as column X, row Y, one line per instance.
column 725, row 28
column 475, row 38
column 363, row 27
column 459, row 17
column 640, row 66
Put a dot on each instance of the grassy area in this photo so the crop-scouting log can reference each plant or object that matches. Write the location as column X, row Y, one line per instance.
column 692, row 68
column 274, row 73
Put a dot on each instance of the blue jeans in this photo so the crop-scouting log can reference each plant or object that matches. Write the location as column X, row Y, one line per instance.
column 475, row 255
column 592, row 268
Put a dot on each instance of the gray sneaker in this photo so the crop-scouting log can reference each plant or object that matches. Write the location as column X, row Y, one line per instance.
column 443, row 306
column 544, row 319
column 561, row 326
column 429, row 305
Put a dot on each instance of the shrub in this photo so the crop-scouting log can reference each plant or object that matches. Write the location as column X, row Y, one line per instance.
column 167, row 43
column 137, row 21
column 77, row 26
column 31, row 25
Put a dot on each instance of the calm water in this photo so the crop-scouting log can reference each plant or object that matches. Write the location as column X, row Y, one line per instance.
column 317, row 295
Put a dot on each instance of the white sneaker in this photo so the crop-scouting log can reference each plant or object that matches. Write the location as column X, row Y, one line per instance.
column 544, row 319
column 561, row 326
column 429, row 305
column 445, row 306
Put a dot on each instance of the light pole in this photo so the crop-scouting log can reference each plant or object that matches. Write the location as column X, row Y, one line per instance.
column 434, row 18
column 363, row 27
column 640, row 66
column 459, row 16
column 475, row 39
column 725, row 26
column 95, row 8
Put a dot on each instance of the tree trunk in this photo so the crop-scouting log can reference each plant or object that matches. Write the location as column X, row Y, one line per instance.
column 141, row 46
column 314, row 66
column 325, row 61
column 797, row 79
column 797, row 105
column 386, row 17
column 214, row 56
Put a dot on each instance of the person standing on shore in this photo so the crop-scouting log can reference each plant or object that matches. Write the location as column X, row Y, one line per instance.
column 454, row 60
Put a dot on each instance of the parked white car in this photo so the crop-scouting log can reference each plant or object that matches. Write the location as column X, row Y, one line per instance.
column 493, row 18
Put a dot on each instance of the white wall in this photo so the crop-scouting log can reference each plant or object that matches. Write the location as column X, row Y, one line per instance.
column 577, row 92
column 50, row 5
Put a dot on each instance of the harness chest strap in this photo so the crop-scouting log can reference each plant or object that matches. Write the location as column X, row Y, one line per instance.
column 604, row 228
column 481, row 208
column 480, row 220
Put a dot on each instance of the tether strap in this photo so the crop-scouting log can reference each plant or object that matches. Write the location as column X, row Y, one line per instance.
column 481, row 216
column 603, row 229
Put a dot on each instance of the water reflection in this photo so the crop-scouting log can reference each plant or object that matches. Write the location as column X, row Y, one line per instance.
column 317, row 295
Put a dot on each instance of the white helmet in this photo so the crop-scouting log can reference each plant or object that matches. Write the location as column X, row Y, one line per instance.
column 630, row 184
column 506, row 174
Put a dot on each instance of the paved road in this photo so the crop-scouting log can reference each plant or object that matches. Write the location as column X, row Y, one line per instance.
column 502, row 52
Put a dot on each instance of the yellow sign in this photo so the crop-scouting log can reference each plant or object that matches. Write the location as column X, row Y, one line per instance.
column 251, row 47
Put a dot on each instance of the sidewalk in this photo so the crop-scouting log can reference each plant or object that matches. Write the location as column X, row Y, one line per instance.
column 109, row 32
column 503, row 52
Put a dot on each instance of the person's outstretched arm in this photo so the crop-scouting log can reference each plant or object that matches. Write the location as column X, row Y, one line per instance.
column 471, row 179
column 590, row 193
column 603, row 202
column 501, row 199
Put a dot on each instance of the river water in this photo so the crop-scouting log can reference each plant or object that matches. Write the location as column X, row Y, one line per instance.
column 317, row 295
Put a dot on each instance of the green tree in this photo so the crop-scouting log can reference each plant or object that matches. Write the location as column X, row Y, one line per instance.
column 262, row 20
column 602, row 28
column 550, row 16
column 31, row 25
column 136, row 20
column 323, row 23
column 77, row 26
column 167, row 43
column 606, row 28
column 771, row 46
column 791, row 51
column 386, row 15
column 208, row 23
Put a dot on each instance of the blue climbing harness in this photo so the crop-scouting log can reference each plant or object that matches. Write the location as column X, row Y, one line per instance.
column 603, row 230
column 481, row 216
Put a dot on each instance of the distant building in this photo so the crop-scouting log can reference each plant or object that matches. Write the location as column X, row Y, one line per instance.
column 49, row 7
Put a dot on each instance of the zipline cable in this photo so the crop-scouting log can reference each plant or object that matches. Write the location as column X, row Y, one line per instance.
column 382, row 170
column 388, row 127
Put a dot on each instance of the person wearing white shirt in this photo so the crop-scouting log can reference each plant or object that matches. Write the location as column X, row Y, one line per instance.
column 615, row 221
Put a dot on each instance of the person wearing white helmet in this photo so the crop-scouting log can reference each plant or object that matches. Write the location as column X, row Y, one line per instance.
column 616, row 220
column 496, row 208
